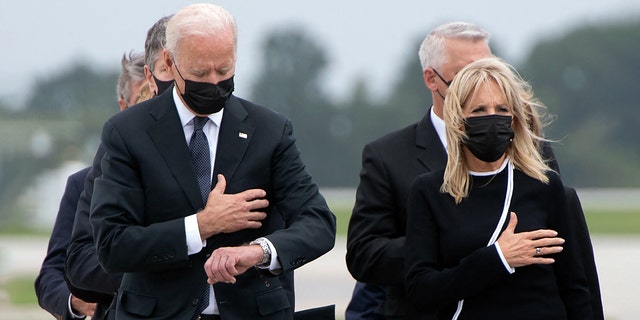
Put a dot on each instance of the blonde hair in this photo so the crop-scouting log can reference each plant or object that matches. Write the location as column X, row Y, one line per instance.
column 527, row 126
column 145, row 93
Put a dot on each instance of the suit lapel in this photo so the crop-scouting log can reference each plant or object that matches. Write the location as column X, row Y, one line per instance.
column 233, row 140
column 433, row 155
column 168, row 137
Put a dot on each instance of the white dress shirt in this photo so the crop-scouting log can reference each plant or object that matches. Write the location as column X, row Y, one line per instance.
column 438, row 124
column 194, row 244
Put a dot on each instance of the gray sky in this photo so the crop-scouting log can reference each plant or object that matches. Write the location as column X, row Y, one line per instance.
column 361, row 37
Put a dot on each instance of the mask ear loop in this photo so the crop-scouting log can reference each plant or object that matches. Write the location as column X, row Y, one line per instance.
column 180, row 74
column 447, row 83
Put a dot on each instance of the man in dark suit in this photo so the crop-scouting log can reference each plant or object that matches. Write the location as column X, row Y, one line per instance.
column 187, row 251
column 84, row 274
column 376, row 234
column 129, row 89
column 51, row 288
column 55, row 294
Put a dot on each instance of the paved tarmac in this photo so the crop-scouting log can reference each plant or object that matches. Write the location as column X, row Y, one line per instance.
column 327, row 281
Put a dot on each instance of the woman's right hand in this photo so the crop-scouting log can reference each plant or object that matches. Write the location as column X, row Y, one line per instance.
column 526, row 248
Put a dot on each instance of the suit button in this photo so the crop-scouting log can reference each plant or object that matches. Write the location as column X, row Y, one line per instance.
column 195, row 301
column 267, row 284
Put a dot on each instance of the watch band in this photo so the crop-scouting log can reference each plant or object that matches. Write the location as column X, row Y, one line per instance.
column 266, row 252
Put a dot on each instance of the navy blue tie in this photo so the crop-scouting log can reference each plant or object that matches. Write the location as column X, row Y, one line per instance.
column 199, row 149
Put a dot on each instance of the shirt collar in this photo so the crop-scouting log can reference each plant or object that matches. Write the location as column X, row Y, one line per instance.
column 490, row 173
column 438, row 124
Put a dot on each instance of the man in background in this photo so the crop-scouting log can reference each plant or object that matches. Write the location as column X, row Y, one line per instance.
column 83, row 271
column 376, row 234
column 51, row 289
column 156, row 71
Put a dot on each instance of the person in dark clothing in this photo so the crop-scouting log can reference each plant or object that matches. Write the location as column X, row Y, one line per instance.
column 491, row 235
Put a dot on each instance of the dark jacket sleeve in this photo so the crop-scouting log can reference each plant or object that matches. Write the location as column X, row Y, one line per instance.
column 585, row 250
column 51, row 288
column 311, row 226
column 85, row 275
column 375, row 240
column 568, row 265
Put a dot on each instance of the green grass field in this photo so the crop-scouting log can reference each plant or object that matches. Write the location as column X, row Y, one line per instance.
column 616, row 222
column 20, row 290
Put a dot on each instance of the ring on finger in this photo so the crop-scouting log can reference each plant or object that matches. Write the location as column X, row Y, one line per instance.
column 537, row 251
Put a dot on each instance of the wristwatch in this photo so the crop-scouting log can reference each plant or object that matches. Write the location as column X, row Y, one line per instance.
column 266, row 252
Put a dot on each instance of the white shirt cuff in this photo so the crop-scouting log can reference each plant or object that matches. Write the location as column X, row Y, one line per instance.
column 194, row 243
column 504, row 261
column 73, row 315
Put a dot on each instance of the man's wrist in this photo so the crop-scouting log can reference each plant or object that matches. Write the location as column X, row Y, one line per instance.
column 266, row 252
column 73, row 312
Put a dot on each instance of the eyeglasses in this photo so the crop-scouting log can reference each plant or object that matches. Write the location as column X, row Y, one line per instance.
column 441, row 78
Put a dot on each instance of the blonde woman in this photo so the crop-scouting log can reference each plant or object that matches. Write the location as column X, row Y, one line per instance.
column 490, row 236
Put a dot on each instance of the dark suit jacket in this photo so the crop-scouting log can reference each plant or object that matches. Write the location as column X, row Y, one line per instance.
column 377, row 229
column 447, row 249
column 85, row 277
column 50, row 285
column 148, row 186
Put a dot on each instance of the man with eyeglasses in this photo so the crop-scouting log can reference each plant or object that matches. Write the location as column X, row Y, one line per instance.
column 376, row 235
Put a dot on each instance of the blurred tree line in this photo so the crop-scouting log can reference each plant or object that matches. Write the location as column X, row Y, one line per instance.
column 588, row 79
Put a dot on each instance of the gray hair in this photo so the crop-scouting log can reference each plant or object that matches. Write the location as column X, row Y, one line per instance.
column 156, row 39
column 432, row 53
column 198, row 19
column 132, row 72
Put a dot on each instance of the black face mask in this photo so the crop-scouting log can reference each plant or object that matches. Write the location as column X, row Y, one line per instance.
column 205, row 97
column 162, row 85
column 488, row 136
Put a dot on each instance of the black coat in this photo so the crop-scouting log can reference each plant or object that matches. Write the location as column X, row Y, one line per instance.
column 377, row 229
column 51, row 287
column 148, row 186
